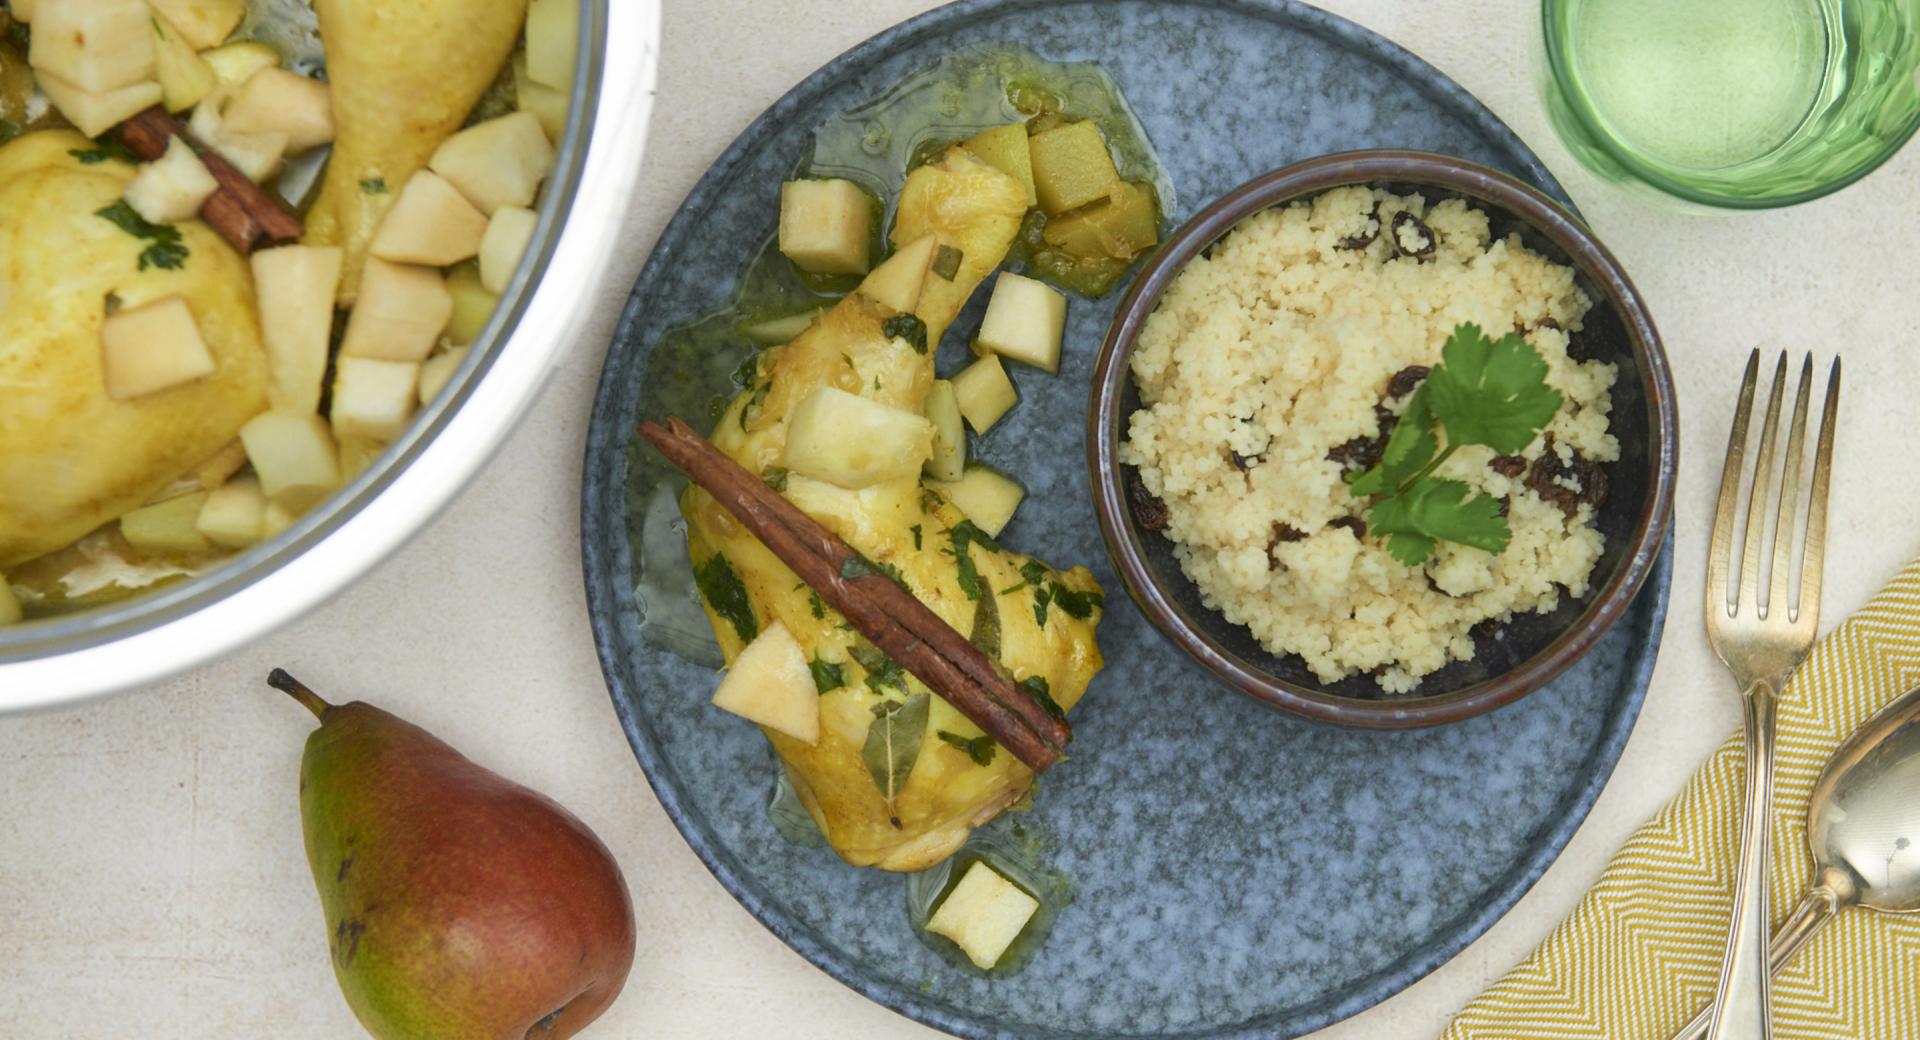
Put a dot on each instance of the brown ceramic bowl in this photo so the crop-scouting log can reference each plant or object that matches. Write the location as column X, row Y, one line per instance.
column 1533, row 648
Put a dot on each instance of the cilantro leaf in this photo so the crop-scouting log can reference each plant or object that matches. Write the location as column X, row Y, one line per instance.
column 1434, row 511
column 1412, row 445
column 1490, row 392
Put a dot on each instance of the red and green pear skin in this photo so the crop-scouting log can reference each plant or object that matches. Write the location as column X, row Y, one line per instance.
column 459, row 905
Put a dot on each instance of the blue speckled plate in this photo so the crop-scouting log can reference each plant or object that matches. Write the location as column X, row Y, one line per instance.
column 1204, row 833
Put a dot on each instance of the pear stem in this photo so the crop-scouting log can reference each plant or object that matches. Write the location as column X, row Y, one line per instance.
column 287, row 684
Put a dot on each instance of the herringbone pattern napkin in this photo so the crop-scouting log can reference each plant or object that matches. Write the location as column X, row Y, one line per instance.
column 1639, row 957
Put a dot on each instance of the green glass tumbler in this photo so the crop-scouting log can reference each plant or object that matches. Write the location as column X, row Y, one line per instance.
column 1744, row 104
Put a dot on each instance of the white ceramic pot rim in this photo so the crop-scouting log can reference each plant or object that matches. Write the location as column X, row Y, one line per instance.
column 66, row 660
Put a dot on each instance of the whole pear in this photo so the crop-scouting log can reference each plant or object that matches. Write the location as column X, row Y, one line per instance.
column 459, row 905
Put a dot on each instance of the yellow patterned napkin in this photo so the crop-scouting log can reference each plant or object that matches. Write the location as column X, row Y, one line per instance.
column 1639, row 957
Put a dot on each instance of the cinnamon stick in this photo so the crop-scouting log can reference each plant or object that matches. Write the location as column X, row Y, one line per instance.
column 244, row 213
column 891, row 617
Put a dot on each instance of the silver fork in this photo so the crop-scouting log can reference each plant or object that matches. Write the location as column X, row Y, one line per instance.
column 1762, row 641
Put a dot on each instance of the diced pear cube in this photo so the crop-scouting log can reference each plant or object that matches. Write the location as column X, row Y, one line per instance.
column 184, row 76
column 278, row 517
column 503, row 245
column 400, row 313
column 430, row 223
column 983, row 393
column 151, row 348
column 949, row 459
column 854, row 442
column 170, row 526
column 97, row 46
column 549, row 105
column 898, row 281
column 373, row 399
column 983, row 914
column 294, row 455
column 257, row 155
column 1071, row 166
column 1122, row 226
column 95, row 114
column 1005, row 149
column 770, row 683
column 357, row 454
column 205, row 23
column 294, row 287
column 826, row 226
column 235, row 514
column 274, row 100
column 22, row 11
column 472, row 304
column 235, row 63
column 437, row 371
column 220, row 467
column 171, row 188
column 497, row 163
column 1025, row 321
column 986, row 495
column 553, row 42
column 10, row 612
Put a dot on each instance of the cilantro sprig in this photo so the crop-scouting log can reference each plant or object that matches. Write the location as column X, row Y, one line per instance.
column 1484, row 392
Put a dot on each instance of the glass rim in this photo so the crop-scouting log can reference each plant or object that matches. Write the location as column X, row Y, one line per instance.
column 1557, row 68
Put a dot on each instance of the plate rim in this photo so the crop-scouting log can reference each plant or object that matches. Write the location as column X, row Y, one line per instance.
column 602, row 504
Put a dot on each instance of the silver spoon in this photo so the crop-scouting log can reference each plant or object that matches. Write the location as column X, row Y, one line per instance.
column 1863, row 826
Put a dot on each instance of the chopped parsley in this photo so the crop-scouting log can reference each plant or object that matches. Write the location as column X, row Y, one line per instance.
column 965, row 534
column 1484, row 391
column 1037, row 686
column 727, row 595
column 165, row 249
column 1047, row 591
column 883, row 672
column 916, row 535
column 775, row 477
column 819, row 608
column 858, row 566
column 907, row 327
column 374, row 185
column 103, row 150
column 980, row 748
column 826, row 677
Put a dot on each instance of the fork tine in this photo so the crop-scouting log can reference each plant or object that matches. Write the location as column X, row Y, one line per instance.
column 1762, row 495
column 1811, row 565
column 1721, row 553
column 1778, row 594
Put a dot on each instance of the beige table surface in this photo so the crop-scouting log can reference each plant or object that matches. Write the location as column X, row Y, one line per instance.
column 152, row 883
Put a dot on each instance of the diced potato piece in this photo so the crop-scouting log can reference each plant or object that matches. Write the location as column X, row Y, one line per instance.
column 294, row 455
column 949, row 460
column 503, row 245
column 497, row 163
column 373, row 399
column 1122, row 227
column 899, row 279
column 184, row 76
column 97, row 46
column 274, row 100
column 170, row 526
column 153, row 347
column 553, row 42
column 770, row 683
column 235, row 515
column 472, row 304
column 10, row 612
column 95, row 114
column 547, row 104
column 171, row 188
column 1005, row 149
column 437, row 371
column 220, row 467
column 776, row 331
column 1071, row 167
column 400, row 313
column 853, row 442
column 205, row 23
column 430, row 223
column 983, row 914
column 826, row 226
column 294, row 287
column 257, row 155
column 236, row 63
column 986, row 495
column 1025, row 321
column 984, row 393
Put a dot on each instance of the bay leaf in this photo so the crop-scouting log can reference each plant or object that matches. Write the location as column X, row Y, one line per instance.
column 893, row 743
